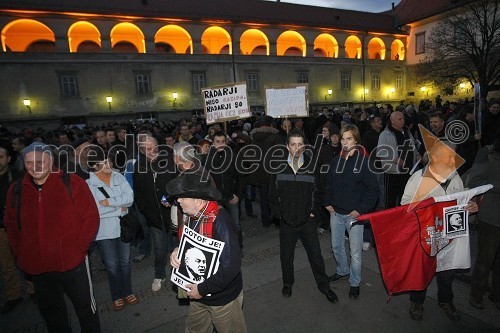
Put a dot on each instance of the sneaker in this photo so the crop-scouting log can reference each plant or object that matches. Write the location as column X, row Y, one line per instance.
column 156, row 286
column 139, row 257
column 354, row 292
column 321, row 231
column 366, row 246
column 476, row 302
column 10, row 305
column 450, row 310
column 416, row 311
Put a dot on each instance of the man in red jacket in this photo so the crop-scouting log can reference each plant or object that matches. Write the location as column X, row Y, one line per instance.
column 51, row 218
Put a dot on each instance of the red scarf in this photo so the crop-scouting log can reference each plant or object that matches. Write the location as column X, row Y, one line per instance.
column 204, row 218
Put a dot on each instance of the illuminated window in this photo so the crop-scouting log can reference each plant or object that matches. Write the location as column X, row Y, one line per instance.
column 68, row 84
column 252, row 81
column 142, row 84
column 345, row 81
column 302, row 77
column 198, row 81
column 399, row 81
column 420, row 43
column 375, row 81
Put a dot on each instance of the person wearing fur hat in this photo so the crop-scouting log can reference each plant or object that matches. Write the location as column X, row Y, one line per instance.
column 217, row 301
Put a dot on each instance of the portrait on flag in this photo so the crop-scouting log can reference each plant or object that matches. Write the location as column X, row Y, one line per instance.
column 199, row 257
column 455, row 222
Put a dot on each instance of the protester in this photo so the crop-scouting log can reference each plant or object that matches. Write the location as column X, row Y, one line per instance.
column 50, row 237
column 294, row 199
column 217, row 301
column 153, row 170
column 221, row 164
column 439, row 178
column 351, row 190
column 398, row 154
column 113, row 196
column 265, row 138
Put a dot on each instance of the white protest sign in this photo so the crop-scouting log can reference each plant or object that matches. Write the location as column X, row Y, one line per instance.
column 226, row 102
column 287, row 101
column 199, row 257
column 455, row 222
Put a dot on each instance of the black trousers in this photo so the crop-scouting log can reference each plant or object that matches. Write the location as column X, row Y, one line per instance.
column 488, row 259
column 309, row 238
column 394, row 188
column 444, row 281
column 76, row 284
column 265, row 211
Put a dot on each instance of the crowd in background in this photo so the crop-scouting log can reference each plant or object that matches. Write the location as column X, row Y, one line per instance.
column 193, row 142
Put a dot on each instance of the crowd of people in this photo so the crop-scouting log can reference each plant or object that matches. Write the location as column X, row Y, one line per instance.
column 311, row 175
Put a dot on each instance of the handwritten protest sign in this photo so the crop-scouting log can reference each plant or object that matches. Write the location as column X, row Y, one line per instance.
column 199, row 257
column 287, row 101
column 226, row 102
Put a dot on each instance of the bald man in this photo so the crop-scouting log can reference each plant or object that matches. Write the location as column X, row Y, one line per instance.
column 398, row 154
column 196, row 264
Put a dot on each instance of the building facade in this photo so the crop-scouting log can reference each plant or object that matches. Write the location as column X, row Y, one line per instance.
column 90, row 61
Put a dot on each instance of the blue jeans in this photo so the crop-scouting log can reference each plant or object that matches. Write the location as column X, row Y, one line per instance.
column 116, row 257
column 339, row 224
column 161, row 247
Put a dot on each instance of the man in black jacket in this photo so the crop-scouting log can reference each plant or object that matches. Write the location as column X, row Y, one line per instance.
column 221, row 164
column 293, row 197
column 266, row 138
column 154, row 168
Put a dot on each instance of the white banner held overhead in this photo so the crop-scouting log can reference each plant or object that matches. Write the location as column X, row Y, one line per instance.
column 287, row 101
column 226, row 102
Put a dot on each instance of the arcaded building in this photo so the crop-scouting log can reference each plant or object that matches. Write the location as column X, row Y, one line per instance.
column 91, row 61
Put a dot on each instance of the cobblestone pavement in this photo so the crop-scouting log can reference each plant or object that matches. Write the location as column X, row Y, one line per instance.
column 265, row 309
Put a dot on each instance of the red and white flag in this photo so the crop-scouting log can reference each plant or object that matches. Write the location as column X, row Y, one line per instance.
column 411, row 244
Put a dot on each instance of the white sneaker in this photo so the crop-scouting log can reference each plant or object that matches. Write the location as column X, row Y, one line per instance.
column 156, row 286
column 366, row 246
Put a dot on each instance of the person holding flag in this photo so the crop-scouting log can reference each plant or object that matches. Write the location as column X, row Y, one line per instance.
column 440, row 178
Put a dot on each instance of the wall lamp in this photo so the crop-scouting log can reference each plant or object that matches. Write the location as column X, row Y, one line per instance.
column 27, row 104
column 391, row 91
column 329, row 93
column 109, row 99
column 175, row 95
column 424, row 89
